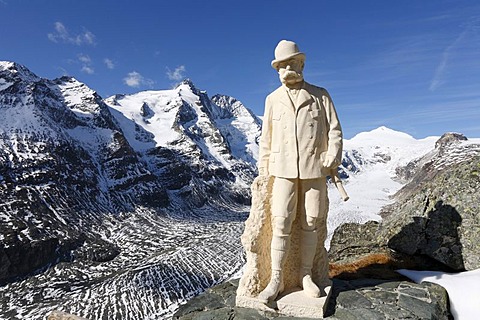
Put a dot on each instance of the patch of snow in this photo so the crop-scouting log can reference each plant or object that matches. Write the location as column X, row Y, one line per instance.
column 457, row 153
column 79, row 98
column 5, row 65
column 164, row 105
column 4, row 84
column 91, row 138
column 462, row 288
column 242, row 134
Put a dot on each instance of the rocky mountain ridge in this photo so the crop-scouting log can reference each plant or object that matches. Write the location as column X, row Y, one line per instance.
column 93, row 198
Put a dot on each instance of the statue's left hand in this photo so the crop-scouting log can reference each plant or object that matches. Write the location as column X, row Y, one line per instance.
column 330, row 162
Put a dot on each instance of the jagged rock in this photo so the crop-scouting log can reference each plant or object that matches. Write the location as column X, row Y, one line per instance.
column 438, row 214
column 355, row 299
column 356, row 251
column 97, row 250
column 449, row 138
column 364, row 237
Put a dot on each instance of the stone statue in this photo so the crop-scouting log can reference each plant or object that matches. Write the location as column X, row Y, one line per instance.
column 300, row 145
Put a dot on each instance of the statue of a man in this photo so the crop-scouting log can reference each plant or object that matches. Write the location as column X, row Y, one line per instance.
column 301, row 143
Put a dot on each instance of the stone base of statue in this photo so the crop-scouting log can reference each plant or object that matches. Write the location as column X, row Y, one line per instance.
column 296, row 304
column 293, row 303
column 256, row 240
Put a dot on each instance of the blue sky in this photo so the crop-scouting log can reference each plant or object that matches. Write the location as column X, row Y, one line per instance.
column 410, row 65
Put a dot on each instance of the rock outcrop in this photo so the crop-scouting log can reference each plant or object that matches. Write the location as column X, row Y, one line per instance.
column 350, row 300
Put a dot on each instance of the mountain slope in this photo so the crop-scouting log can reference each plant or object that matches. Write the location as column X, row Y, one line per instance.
column 92, row 199
column 370, row 169
column 64, row 166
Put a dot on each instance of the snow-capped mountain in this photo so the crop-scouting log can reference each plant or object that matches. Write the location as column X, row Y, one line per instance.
column 125, row 207
column 378, row 163
column 213, row 140
column 143, row 193
column 369, row 166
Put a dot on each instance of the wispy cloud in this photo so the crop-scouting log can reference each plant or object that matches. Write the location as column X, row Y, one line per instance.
column 109, row 63
column 439, row 76
column 135, row 80
column 177, row 74
column 86, row 62
column 61, row 34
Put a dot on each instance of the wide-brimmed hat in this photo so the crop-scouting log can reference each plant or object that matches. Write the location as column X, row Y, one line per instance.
column 286, row 50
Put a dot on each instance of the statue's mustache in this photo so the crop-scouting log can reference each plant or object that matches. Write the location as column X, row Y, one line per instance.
column 290, row 74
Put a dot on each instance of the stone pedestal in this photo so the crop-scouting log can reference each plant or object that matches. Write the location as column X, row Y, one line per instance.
column 297, row 304
column 293, row 303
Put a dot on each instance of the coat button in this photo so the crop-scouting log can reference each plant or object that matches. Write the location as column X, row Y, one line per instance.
column 311, row 137
column 310, row 124
column 286, row 141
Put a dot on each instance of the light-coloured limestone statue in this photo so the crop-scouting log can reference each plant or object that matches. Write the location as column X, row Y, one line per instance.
column 301, row 144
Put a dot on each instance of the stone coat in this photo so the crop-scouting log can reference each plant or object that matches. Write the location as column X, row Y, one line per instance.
column 296, row 138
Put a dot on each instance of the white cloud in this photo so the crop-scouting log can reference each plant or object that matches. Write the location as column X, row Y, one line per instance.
column 88, row 70
column 135, row 80
column 86, row 62
column 177, row 74
column 61, row 34
column 88, row 37
column 84, row 58
column 109, row 63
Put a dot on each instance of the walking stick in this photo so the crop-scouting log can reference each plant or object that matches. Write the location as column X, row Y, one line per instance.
column 338, row 183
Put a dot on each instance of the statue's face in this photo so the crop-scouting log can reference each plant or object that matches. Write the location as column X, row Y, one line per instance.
column 291, row 64
column 290, row 71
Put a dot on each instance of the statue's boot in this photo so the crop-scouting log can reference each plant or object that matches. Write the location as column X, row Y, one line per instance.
column 308, row 246
column 279, row 254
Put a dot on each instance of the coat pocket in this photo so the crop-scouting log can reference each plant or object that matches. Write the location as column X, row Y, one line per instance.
column 315, row 114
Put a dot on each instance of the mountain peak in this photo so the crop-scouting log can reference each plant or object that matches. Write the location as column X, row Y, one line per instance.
column 7, row 65
column 449, row 138
column 383, row 135
column 187, row 83
column 16, row 70
column 387, row 130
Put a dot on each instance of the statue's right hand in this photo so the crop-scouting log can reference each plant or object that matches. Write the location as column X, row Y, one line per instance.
column 262, row 171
